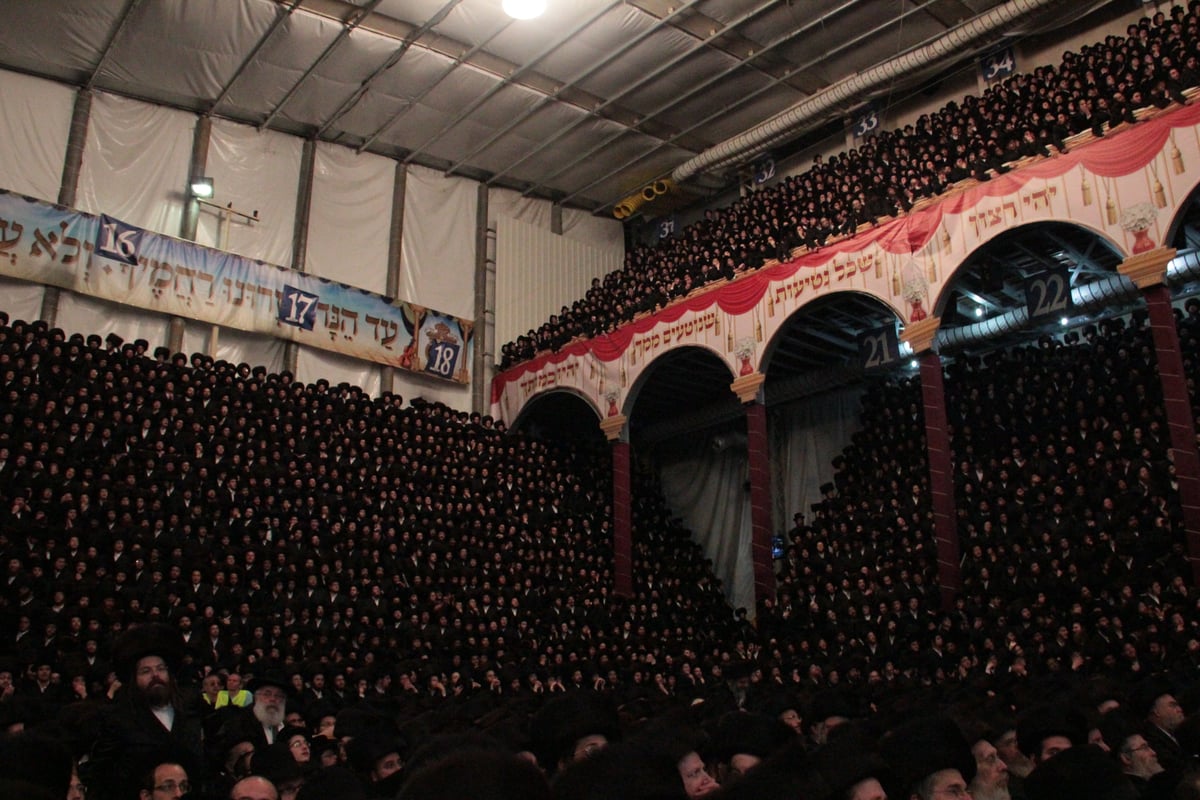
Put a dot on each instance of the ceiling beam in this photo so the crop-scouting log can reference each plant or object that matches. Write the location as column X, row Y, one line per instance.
column 352, row 21
column 392, row 60
column 281, row 16
column 507, row 81
column 110, row 45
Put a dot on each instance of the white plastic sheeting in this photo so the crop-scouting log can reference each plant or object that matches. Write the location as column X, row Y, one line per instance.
column 135, row 163
column 22, row 299
column 603, row 232
column 312, row 365
column 80, row 314
column 350, row 218
column 255, row 170
column 235, row 346
column 437, row 267
column 34, row 129
column 538, row 272
column 703, row 484
column 808, row 435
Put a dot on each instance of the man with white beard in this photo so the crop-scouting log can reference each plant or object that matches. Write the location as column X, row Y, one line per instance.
column 264, row 719
column 991, row 773
column 270, row 705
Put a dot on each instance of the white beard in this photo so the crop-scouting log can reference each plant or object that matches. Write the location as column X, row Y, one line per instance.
column 269, row 717
column 993, row 793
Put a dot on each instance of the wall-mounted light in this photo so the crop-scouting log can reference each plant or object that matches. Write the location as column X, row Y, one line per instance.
column 524, row 9
column 202, row 187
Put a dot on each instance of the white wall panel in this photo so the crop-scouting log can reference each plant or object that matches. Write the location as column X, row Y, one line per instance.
column 350, row 217
column 605, row 233
column 599, row 231
column 235, row 346
column 255, row 170
column 508, row 203
column 33, row 129
column 538, row 272
column 437, row 267
column 135, row 163
column 312, row 365
column 80, row 314
column 22, row 299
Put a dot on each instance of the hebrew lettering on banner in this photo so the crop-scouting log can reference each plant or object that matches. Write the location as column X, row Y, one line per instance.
column 107, row 258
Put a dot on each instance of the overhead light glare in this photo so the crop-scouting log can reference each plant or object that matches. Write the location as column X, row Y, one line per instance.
column 202, row 188
column 1065, row 321
column 524, row 9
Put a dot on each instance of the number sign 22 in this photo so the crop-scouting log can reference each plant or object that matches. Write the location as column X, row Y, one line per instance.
column 1048, row 294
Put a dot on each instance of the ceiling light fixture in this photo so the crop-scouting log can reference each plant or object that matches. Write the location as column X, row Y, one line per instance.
column 524, row 9
column 202, row 187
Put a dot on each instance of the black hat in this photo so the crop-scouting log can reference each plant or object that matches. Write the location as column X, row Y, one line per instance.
column 1041, row 722
column 364, row 751
column 270, row 678
column 276, row 763
column 751, row 734
column 851, row 757
column 152, row 639
column 921, row 747
column 1081, row 772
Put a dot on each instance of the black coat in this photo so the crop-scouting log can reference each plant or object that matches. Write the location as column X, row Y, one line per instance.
column 133, row 741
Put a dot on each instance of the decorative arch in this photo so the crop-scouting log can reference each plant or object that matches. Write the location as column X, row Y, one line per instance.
column 531, row 405
column 1047, row 227
column 654, row 368
column 780, row 336
column 1188, row 210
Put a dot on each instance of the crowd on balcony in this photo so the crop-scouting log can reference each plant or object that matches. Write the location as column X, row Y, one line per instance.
column 1099, row 88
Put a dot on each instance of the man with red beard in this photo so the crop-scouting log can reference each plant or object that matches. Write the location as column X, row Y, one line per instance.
column 147, row 723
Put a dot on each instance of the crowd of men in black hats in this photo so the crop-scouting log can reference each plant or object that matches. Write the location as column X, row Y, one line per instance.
column 243, row 570
column 221, row 582
column 1028, row 115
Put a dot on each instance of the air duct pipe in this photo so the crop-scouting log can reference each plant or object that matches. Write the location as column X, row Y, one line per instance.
column 852, row 91
column 1113, row 289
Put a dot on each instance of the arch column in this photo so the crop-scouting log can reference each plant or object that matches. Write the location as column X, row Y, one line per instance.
column 622, row 505
column 1148, row 271
column 748, row 388
column 920, row 335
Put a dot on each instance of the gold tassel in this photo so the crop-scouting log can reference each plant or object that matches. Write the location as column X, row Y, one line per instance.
column 717, row 324
column 895, row 281
column 931, row 270
column 757, row 328
column 1160, row 196
column 1087, row 191
column 770, row 302
column 1112, row 211
column 878, row 268
column 729, row 341
column 1176, row 158
column 945, row 240
column 624, row 378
